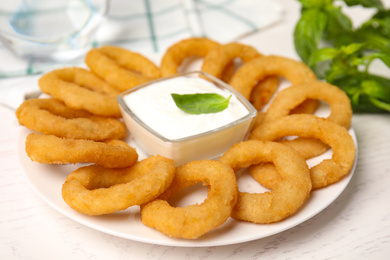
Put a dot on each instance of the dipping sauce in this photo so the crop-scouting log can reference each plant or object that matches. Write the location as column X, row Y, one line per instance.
column 155, row 106
column 159, row 127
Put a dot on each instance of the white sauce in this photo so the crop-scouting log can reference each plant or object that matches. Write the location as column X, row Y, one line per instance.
column 155, row 107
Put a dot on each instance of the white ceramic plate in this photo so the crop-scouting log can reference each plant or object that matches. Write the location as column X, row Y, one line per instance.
column 47, row 181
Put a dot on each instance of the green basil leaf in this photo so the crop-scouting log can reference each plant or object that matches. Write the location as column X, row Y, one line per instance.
column 323, row 54
column 365, row 105
column 380, row 104
column 366, row 3
column 339, row 27
column 339, row 19
column 380, row 26
column 308, row 32
column 201, row 103
column 351, row 48
column 376, row 90
column 312, row 3
column 338, row 70
column 348, row 52
column 379, row 55
column 372, row 40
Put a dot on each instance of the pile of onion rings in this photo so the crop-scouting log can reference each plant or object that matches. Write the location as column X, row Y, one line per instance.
column 220, row 57
column 80, row 123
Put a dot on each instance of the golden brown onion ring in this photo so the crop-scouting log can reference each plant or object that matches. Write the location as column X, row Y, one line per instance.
column 50, row 149
column 263, row 92
column 95, row 190
column 120, row 67
column 178, row 52
column 257, row 69
column 52, row 117
column 218, row 58
column 288, row 99
column 291, row 97
column 81, row 89
column 193, row 221
column 193, row 47
column 337, row 137
column 285, row 199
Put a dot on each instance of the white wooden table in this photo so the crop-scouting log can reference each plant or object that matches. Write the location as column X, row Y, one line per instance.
column 355, row 226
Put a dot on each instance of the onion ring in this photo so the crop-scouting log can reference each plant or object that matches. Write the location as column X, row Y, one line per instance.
column 95, row 190
column 50, row 149
column 178, row 52
column 291, row 97
column 81, row 89
column 216, row 60
column 285, row 199
column 219, row 57
column 263, row 92
column 337, row 137
column 52, row 117
column 193, row 221
column 120, row 67
column 259, row 68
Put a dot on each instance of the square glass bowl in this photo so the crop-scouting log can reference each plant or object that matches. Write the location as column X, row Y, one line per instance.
column 206, row 145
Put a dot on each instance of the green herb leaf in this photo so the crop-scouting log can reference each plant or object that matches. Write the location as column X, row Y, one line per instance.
column 376, row 90
column 338, row 20
column 348, row 52
column 366, row 3
column 312, row 3
column 323, row 54
column 203, row 103
column 308, row 32
column 384, row 57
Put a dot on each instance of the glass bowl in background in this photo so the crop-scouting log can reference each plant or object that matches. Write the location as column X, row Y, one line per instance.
column 205, row 145
column 52, row 30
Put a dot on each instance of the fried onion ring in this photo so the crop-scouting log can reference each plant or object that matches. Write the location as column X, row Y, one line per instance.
column 120, row 67
column 337, row 137
column 50, row 149
column 81, row 89
column 95, row 190
column 257, row 69
column 290, row 98
column 218, row 58
column 263, row 92
column 52, row 117
column 178, row 52
column 192, row 47
column 285, row 199
column 193, row 221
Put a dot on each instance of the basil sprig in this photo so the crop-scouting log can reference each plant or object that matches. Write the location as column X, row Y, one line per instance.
column 327, row 41
column 201, row 103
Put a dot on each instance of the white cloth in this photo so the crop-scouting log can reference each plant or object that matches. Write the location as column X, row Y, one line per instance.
column 149, row 27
